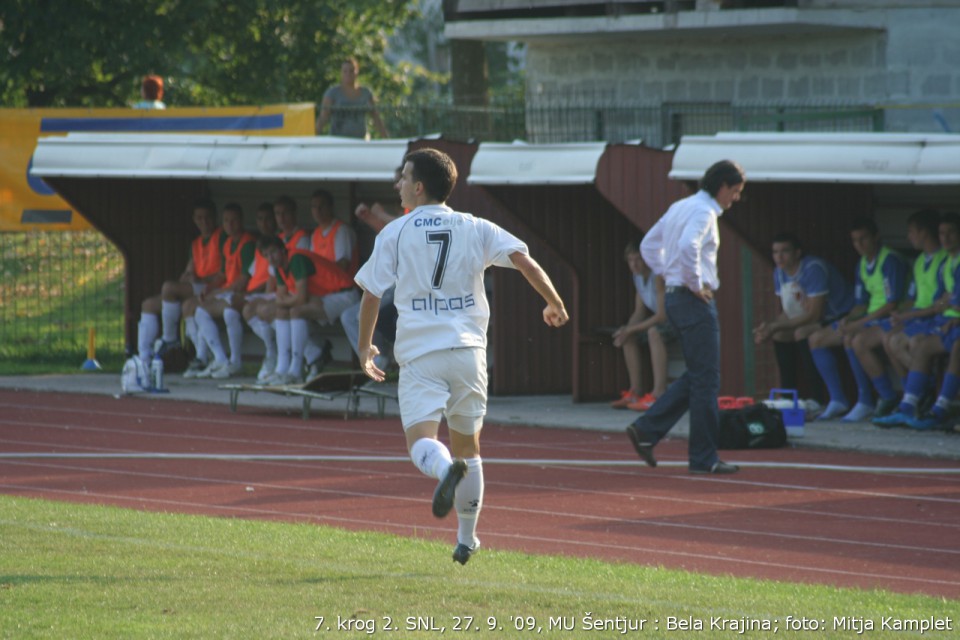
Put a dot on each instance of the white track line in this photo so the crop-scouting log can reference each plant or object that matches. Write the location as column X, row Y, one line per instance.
column 531, row 462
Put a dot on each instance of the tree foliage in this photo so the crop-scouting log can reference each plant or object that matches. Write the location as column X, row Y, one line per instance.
column 93, row 53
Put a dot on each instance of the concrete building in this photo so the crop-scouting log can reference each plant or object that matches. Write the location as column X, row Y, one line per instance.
column 657, row 70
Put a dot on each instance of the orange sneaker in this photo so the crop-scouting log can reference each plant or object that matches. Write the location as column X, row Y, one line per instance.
column 643, row 404
column 626, row 399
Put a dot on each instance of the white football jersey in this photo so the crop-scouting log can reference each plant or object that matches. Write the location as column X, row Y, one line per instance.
column 436, row 258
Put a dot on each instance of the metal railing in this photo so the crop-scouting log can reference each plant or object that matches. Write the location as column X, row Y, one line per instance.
column 657, row 126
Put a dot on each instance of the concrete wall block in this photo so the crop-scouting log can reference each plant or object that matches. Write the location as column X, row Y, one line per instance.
column 837, row 58
column 677, row 90
column 701, row 91
column 748, row 89
column 875, row 87
column 810, row 60
column 798, row 88
column 936, row 86
column 823, row 87
column 724, row 90
column 735, row 60
column 582, row 63
column 653, row 90
column 667, row 62
column 559, row 65
column 848, row 87
column 863, row 56
column 602, row 62
column 760, row 60
column 898, row 83
column 771, row 88
column 788, row 61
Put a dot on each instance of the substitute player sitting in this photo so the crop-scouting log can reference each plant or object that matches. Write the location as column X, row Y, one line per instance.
column 226, row 302
column 309, row 287
column 436, row 258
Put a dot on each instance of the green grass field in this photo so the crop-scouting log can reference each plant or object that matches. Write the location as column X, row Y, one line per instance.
column 74, row 571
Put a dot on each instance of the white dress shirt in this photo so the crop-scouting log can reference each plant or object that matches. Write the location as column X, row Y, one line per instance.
column 682, row 245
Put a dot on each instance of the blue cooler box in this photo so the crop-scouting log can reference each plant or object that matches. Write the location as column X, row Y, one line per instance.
column 793, row 418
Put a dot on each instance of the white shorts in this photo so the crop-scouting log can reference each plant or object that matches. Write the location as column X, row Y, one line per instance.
column 226, row 296
column 260, row 296
column 198, row 288
column 336, row 303
column 451, row 382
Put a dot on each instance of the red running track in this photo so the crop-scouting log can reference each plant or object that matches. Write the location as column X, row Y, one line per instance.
column 865, row 529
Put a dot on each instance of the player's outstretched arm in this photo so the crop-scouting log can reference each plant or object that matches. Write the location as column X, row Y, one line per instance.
column 555, row 314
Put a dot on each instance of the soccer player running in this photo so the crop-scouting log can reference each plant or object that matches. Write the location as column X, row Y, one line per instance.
column 436, row 257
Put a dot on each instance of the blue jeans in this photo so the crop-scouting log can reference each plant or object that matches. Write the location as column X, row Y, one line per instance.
column 697, row 389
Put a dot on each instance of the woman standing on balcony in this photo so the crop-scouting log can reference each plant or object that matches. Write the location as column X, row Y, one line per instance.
column 345, row 106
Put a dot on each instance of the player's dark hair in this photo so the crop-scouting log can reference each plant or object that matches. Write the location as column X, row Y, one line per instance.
column 632, row 247
column 725, row 172
column 235, row 207
column 863, row 223
column 788, row 237
column 265, row 206
column 951, row 217
column 325, row 196
column 206, row 204
column 268, row 242
column 925, row 220
column 435, row 170
column 287, row 203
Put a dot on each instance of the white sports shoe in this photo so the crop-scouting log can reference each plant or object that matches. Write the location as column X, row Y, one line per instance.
column 213, row 367
column 194, row 368
column 226, row 371
column 267, row 369
column 283, row 379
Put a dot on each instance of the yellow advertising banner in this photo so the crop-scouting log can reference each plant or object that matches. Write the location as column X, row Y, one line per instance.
column 27, row 203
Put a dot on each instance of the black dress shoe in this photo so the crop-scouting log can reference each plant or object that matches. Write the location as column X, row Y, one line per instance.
column 719, row 468
column 644, row 449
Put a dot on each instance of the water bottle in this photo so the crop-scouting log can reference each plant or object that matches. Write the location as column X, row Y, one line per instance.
column 128, row 377
column 156, row 373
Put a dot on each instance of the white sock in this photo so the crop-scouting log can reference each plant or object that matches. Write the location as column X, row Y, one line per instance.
column 431, row 457
column 263, row 330
column 311, row 352
column 210, row 334
column 468, row 500
column 146, row 333
column 234, row 322
column 282, row 327
column 193, row 334
column 299, row 332
column 170, row 312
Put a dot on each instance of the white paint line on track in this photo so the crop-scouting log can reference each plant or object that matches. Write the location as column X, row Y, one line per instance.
column 531, row 462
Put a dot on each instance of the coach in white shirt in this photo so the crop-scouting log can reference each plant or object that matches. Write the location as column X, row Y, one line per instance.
column 682, row 248
column 436, row 257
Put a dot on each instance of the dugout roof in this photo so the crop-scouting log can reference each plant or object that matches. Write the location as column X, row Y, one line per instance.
column 79, row 155
column 864, row 158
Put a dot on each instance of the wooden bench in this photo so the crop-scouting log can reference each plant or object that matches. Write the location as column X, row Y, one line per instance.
column 351, row 385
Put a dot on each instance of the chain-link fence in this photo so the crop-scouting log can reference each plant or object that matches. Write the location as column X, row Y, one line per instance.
column 55, row 287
